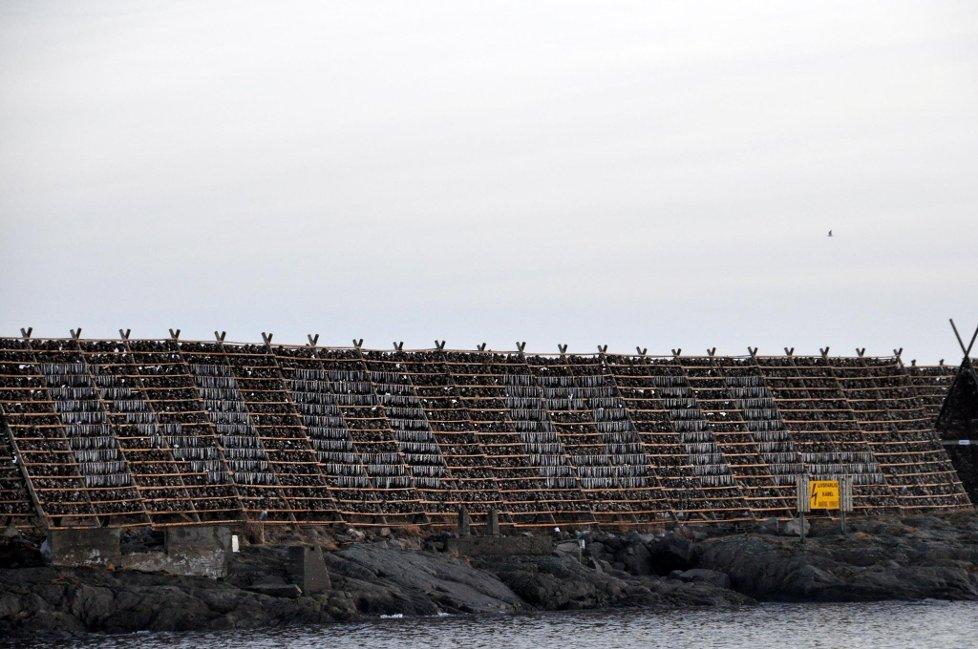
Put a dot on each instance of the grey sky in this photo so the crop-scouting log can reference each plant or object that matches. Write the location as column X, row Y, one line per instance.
column 661, row 174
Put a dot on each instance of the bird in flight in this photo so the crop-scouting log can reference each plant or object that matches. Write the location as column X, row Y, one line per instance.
column 830, row 233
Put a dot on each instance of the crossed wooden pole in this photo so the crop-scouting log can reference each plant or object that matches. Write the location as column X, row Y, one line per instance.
column 313, row 341
column 965, row 349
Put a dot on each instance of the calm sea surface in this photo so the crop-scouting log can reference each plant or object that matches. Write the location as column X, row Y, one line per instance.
column 785, row 626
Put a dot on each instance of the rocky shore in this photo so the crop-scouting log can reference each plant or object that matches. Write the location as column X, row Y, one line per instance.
column 911, row 558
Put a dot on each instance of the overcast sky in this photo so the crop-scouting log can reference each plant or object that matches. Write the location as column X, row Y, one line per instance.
column 656, row 174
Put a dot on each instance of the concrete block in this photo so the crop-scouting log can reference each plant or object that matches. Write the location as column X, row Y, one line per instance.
column 84, row 546
column 499, row 546
column 308, row 570
column 210, row 564
column 195, row 539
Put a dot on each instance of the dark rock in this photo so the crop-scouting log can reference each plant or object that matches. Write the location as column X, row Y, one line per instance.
column 277, row 590
column 671, row 552
column 719, row 579
column 924, row 557
column 599, row 550
column 839, row 568
column 560, row 582
column 770, row 526
column 446, row 584
column 796, row 526
column 636, row 558
column 569, row 548
column 19, row 552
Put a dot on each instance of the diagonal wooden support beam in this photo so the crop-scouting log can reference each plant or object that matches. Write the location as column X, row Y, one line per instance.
column 954, row 328
column 965, row 349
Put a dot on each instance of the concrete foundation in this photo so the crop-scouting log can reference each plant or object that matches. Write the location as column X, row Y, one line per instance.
column 308, row 570
column 276, row 568
column 199, row 551
column 499, row 546
column 200, row 538
column 205, row 563
column 84, row 546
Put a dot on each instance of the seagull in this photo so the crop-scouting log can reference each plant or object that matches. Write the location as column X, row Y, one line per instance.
column 830, row 233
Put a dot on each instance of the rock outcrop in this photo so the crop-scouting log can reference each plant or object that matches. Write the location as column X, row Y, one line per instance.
column 562, row 583
column 921, row 557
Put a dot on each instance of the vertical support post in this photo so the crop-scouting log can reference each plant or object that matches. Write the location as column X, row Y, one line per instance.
column 493, row 522
column 803, row 503
column 464, row 523
column 845, row 497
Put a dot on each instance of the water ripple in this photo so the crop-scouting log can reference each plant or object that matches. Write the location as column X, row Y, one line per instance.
column 881, row 625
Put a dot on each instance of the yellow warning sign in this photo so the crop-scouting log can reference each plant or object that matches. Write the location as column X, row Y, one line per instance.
column 823, row 494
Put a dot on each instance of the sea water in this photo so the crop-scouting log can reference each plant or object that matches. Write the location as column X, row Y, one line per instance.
column 880, row 625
